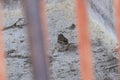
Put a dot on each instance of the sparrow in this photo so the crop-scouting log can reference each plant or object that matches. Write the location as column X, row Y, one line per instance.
column 72, row 26
column 62, row 39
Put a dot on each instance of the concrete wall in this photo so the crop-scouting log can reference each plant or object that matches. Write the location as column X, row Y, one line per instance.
column 60, row 16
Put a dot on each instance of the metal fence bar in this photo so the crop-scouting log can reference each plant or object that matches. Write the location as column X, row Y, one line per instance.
column 117, row 17
column 36, row 25
column 84, row 46
column 117, row 24
column 3, row 74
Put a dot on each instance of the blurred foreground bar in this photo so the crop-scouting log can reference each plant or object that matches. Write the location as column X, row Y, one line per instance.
column 3, row 73
column 117, row 24
column 35, row 15
column 84, row 43
column 117, row 17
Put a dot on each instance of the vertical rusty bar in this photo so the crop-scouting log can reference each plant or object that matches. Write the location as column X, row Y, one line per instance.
column 117, row 24
column 84, row 46
column 3, row 74
column 117, row 17
column 36, row 29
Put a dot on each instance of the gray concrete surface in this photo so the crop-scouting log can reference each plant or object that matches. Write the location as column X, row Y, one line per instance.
column 64, row 65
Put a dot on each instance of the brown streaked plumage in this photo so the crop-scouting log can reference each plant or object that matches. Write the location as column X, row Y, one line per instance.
column 62, row 39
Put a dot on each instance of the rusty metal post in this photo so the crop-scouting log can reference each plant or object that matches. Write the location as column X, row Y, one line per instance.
column 84, row 44
column 3, row 74
column 36, row 29
column 117, row 17
column 117, row 24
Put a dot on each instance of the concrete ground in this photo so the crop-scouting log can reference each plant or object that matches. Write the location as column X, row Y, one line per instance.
column 64, row 65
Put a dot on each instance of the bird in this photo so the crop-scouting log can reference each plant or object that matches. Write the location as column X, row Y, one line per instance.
column 62, row 40
column 72, row 26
